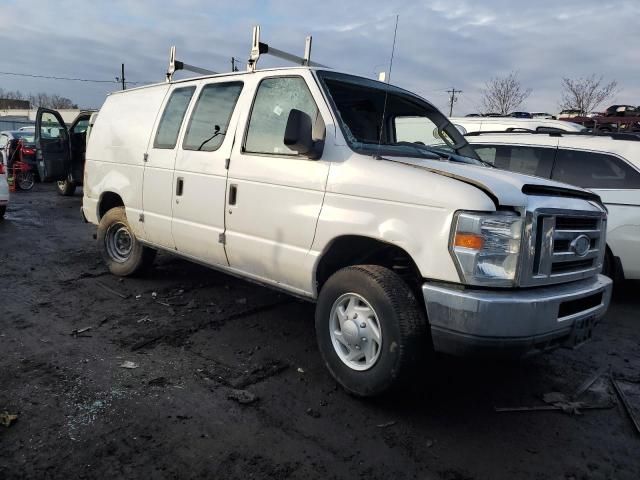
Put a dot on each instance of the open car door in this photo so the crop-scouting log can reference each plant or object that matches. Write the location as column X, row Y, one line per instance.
column 53, row 149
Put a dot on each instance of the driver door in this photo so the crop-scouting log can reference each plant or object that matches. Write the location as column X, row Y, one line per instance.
column 53, row 151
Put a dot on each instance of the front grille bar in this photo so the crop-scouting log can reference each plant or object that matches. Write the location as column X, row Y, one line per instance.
column 551, row 257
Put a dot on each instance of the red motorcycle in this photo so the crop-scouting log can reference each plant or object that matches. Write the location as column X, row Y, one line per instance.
column 21, row 174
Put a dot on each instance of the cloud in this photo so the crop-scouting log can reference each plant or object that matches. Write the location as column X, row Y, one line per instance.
column 440, row 44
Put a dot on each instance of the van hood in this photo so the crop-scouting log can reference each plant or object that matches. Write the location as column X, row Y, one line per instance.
column 503, row 187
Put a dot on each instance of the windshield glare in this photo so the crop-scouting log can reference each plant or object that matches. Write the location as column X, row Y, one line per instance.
column 411, row 126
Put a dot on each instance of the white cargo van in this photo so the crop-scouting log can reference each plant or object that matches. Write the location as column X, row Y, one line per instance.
column 304, row 179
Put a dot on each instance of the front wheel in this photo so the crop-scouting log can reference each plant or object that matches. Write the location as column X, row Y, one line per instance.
column 65, row 188
column 25, row 180
column 122, row 252
column 370, row 328
column 3, row 210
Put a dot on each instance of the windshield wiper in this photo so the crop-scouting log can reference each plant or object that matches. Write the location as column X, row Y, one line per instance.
column 443, row 155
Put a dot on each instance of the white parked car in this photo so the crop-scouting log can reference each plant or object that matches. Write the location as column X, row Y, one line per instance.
column 504, row 124
column 4, row 186
column 543, row 116
column 609, row 165
column 283, row 177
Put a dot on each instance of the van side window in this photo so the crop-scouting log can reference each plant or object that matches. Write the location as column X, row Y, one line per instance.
column 520, row 159
column 274, row 100
column 594, row 170
column 169, row 127
column 211, row 115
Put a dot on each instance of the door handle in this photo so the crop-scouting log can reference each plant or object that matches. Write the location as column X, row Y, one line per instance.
column 233, row 194
column 179, row 186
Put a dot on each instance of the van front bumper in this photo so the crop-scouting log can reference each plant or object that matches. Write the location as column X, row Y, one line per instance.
column 514, row 322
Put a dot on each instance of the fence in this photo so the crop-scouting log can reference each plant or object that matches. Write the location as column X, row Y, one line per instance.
column 6, row 124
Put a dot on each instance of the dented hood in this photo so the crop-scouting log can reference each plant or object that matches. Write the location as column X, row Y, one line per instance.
column 503, row 187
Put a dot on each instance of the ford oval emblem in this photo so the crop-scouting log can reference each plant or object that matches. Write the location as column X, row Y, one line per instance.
column 580, row 245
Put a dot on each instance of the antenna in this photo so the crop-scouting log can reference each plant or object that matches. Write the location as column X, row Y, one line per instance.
column 175, row 65
column 386, row 92
column 259, row 48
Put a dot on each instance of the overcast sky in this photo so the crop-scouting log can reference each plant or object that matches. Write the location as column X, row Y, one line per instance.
column 440, row 44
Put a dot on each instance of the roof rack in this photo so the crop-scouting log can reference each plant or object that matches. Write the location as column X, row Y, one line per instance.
column 257, row 48
column 632, row 136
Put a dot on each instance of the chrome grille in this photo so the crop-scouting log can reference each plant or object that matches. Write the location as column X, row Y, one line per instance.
column 563, row 245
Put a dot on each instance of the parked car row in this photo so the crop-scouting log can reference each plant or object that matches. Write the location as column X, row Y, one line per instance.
column 486, row 124
column 609, row 165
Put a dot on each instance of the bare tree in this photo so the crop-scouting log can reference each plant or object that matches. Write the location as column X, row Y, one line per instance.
column 9, row 95
column 585, row 94
column 504, row 94
column 50, row 101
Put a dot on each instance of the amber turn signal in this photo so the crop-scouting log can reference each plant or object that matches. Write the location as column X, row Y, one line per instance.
column 469, row 240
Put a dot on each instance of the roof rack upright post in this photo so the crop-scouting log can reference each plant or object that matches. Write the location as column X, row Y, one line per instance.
column 307, row 51
column 258, row 48
column 178, row 65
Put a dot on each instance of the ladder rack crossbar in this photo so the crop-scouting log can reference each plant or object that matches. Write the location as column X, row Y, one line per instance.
column 260, row 48
column 257, row 48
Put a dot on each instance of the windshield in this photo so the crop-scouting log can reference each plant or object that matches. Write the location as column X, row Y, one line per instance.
column 27, row 136
column 411, row 127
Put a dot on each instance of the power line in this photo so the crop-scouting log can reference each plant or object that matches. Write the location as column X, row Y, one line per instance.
column 89, row 80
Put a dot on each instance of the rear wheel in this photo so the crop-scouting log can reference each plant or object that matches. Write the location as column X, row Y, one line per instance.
column 3, row 210
column 122, row 252
column 65, row 188
column 370, row 328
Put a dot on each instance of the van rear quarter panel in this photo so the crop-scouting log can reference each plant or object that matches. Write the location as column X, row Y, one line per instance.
column 116, row 148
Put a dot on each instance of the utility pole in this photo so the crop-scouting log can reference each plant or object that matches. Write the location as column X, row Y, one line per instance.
column 452, row 98
column 122, row 77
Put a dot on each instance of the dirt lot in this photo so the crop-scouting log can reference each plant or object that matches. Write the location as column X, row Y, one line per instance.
column 205, row 344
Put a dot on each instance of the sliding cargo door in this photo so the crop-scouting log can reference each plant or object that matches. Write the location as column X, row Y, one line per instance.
column 200, row 176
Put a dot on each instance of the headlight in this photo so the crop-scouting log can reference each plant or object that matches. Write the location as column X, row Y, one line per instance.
column 486, row 247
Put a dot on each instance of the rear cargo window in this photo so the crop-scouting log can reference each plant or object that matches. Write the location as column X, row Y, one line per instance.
column 276, row 97
column 169, row 127
column 594, row 170
column 210, row 118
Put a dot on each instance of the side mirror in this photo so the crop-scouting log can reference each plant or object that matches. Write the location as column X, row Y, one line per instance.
column 304, row 135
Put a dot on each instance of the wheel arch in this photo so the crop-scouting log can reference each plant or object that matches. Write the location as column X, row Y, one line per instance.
column 108, row 200
column 348, row 250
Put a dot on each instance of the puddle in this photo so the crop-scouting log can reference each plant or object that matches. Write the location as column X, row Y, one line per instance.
column 26, row 218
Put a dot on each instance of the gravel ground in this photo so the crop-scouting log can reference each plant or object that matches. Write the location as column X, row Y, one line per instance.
column 228, row 382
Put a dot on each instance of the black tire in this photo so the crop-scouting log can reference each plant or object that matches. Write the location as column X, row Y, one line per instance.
column 611, row 269
column 65, row 188
column 3, row 210
column 402, row 323
column 608, row 267
column 121, row 251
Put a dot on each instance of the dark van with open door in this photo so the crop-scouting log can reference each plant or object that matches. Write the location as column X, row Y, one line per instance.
column 60, row 150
